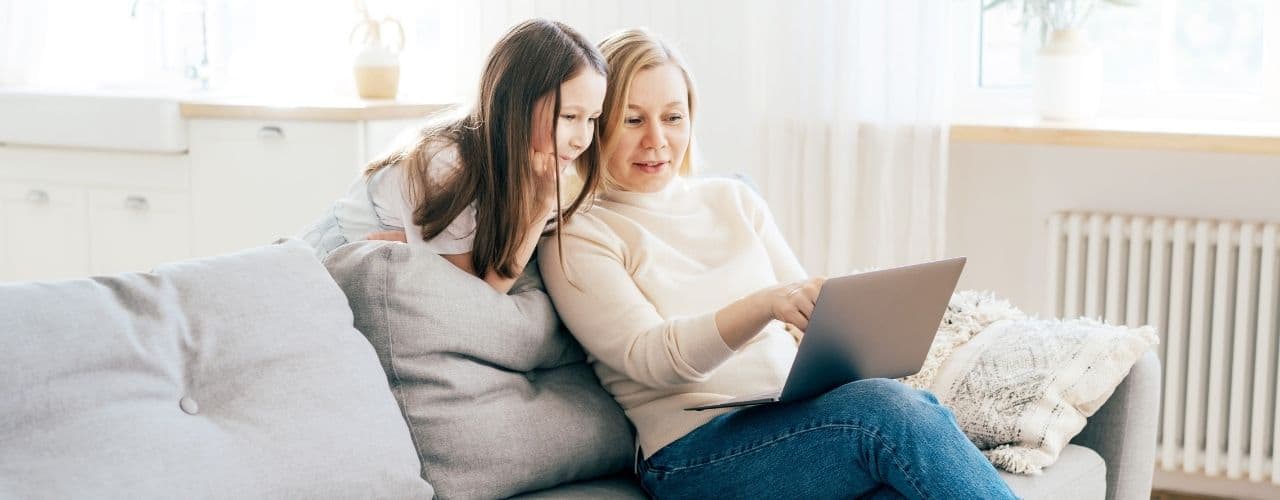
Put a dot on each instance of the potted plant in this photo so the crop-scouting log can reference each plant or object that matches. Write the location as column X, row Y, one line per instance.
column 1068, row 68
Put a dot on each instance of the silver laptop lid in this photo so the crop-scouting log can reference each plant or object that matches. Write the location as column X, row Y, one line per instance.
column 877, row 324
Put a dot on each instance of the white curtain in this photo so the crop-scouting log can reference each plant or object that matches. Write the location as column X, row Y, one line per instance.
column 837, row 109
column 850, row 107
column 22, row 27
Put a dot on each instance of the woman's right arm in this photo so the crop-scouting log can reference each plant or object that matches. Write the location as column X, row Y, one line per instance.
column 792, row 303
column 614, row 321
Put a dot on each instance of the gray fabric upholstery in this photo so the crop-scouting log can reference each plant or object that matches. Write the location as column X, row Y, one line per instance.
column 498, row 396
column 231, row 377
column 619, row 487
column 1123, row 431
column 287, row 401
column 1079, row 474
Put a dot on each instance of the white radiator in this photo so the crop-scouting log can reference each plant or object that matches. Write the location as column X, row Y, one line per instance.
column 1210, row 287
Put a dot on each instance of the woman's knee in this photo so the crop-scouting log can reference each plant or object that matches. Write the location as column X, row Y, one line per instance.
column 892, row 400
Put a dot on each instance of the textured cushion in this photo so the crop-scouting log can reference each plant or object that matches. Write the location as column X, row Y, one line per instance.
column 231, row 377
column 967, row 314
column 1079, row 474
column 1021, row 389
column 498, row 396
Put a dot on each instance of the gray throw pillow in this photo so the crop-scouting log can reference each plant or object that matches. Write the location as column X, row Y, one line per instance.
column 497, row 394
column 238, row 376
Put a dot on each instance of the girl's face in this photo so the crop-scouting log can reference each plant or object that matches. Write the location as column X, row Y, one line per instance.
column 580, row 99
column 654, row 134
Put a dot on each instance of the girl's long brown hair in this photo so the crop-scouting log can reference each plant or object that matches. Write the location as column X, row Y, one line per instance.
column 494, row 143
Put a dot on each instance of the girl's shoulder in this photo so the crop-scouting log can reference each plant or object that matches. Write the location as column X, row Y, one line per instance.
column 444, row 159
column 442, row 162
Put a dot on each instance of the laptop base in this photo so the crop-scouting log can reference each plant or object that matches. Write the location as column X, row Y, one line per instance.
column 752, row 400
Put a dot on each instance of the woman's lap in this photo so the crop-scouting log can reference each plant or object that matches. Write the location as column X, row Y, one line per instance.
column 847, row 443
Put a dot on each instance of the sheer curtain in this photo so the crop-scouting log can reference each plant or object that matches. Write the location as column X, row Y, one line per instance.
column 22, row 25
column 851, row 109
column 835, row 108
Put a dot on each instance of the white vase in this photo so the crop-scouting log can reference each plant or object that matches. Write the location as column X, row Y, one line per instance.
column 1068, row 83
column 377, row 72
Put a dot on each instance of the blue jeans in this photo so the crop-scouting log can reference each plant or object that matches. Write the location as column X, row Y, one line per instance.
column 871, row 438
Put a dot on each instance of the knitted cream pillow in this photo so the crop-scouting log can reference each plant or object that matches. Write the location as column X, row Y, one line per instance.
column 968, row 313
column 1022, row 388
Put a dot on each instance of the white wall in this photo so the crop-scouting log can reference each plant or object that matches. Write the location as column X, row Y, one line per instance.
column 1000, row 196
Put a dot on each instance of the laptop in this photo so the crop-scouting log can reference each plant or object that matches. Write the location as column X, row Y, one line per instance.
column 878, row 324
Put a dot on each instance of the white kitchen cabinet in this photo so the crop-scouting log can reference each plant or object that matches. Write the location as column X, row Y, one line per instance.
column 43, row 232
column 253, row 181
column 135, row 229
column 68, row 212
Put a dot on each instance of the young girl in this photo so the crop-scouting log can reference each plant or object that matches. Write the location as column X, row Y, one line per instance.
column 479, row 189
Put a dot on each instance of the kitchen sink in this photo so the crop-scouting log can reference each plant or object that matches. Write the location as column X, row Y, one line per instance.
column 119, row 119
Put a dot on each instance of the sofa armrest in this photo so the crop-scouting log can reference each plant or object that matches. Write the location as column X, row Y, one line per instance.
column 1123, row 431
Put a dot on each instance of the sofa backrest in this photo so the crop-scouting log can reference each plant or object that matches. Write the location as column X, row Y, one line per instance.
column 239, row 376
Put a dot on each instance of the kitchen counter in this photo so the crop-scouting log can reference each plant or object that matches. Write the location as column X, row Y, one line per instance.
column 323, row 109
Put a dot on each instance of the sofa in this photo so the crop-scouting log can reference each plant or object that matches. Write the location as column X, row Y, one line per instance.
column 244, row 376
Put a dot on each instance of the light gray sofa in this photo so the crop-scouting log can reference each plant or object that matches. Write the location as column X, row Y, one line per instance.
column 242, row 376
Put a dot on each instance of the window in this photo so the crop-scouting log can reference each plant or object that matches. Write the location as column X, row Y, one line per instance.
column 1161, row 58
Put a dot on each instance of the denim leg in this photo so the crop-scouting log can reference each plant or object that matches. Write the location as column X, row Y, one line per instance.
column 884, row 492
column 847, row 443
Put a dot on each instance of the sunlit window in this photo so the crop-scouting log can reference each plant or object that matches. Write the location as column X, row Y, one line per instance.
column 1180, row 46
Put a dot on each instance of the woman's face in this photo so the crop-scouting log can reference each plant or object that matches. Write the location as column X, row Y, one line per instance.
column 580, row 99
column 651, row 141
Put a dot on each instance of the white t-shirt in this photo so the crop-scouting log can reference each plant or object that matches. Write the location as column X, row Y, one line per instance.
column 381, row 203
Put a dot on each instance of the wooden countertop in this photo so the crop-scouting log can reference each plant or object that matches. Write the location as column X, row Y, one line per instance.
column 308, row 109
column 1148, row 134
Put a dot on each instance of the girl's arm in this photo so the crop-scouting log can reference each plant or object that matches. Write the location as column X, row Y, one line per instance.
column 463, row 260
column 524, row 253
column 544, row 167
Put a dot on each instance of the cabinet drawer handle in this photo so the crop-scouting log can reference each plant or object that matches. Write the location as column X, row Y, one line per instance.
column 38, row 196
column 138, row 203
column 271, row 132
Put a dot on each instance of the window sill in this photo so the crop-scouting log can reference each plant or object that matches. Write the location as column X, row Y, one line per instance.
column 1153, row 134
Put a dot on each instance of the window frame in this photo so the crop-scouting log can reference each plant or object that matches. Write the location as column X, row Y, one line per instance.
column 973, row 103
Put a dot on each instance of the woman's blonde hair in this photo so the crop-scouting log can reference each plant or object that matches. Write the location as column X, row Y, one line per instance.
column 626, row 53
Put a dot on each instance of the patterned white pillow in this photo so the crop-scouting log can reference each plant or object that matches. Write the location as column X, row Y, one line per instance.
column 1022, row 388
column 968, row 313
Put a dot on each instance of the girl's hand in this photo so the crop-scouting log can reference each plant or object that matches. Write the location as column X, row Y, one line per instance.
column 793, row 303
column 545, row 167
column 388, row 236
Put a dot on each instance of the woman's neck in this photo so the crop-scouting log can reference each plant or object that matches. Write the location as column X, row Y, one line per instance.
column 653, row 199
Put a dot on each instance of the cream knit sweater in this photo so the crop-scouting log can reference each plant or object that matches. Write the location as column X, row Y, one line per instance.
column 651, row 271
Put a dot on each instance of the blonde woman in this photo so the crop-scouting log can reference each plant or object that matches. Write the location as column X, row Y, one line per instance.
column 679, row 289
